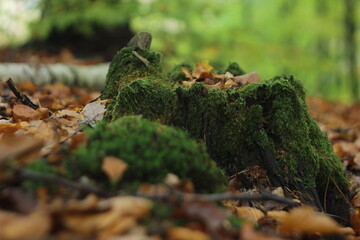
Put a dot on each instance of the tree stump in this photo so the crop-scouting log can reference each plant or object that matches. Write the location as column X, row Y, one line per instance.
column 262, row 127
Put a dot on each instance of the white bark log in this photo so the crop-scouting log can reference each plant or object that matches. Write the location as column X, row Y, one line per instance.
column 85, row 76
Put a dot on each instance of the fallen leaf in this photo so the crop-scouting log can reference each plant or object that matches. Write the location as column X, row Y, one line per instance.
column 203, row 70
column 188, row 84
column 248, row 232
column 7, row 127
column 114, row 168
column 229, row 84
column 355, row 220
column 69, row 114
column 247, row 78
column 249, row 213
column 36, row 225
column 183, row 233
column 120, row 215
column 25, row 113
column 186, row 72
column 95, row 110
column 304, row 220
column 207, row 212
column 23, row 149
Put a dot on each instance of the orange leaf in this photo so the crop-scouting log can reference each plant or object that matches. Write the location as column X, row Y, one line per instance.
column 304, row 220
column 25, row 113
column 114, row 168
column 249, row 213
column 187, row 73
column 182, row 233
column 36, row 225
column 203, row 70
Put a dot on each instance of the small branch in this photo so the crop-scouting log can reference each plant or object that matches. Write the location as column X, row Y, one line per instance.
column 30, row 175
column 246, row 196
column 216, row 197
column 142, row 59
column 22, row 97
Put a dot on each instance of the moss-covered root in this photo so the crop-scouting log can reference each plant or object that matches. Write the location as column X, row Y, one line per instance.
column 152, row 150
column 128, row 64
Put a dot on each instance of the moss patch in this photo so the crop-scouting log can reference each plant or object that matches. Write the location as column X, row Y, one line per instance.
column 152, row 150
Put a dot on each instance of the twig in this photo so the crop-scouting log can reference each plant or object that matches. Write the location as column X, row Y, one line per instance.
column 216, row 197
column 22, row 97
column 246, row 196
column 142, row 59
column 30, row 175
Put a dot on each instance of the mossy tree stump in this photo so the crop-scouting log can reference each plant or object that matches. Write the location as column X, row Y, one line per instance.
column 264, row 124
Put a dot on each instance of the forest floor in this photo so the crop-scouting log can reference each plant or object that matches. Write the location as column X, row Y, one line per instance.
column 28, row 133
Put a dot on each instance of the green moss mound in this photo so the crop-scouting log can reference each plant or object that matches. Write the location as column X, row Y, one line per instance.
column 152, row 150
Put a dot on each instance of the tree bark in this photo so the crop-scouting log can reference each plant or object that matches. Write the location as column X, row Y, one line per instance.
column 350, row 46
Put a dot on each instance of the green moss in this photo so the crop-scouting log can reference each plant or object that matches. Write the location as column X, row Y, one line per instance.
column 176, row 74
column 151, row 150
column 235, row 69
column 149, row 98
column 126, row 67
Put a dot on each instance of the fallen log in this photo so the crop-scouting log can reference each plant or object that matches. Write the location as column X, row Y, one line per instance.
column 86, row 76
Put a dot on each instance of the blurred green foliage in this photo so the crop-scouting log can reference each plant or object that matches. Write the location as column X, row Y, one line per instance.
column 304, row 38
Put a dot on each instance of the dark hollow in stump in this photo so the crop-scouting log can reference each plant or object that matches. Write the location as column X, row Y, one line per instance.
column 263, row 127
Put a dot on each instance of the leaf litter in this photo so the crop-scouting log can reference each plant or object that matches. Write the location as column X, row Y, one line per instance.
column 27, row 134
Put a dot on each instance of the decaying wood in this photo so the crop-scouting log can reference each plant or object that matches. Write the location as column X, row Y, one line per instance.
column 141, row 40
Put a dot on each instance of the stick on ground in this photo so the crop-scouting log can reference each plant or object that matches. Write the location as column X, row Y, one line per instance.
column 22, row 97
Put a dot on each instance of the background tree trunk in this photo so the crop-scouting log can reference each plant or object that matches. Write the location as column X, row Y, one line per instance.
column 350, row 46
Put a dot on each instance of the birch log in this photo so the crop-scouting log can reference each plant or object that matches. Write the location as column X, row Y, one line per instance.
column 84, row 76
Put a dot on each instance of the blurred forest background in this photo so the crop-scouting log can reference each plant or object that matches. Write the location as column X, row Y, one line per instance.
column 315, row 40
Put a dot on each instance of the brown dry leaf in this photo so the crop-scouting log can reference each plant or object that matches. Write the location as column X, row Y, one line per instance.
column 186, row 72
column 207, row 212
column 36, row 225
column 356, row 200
column 25, row 113
column 22, row 148
column 304, row 220
column 7, row 127
column 247, row 78
column 122, row 214
column 247, row 232
column 27, row 86
column 344, row 148
column 172, row 180
column 188, row 84
column 114, row 168
column 249, row 213
column 277, row 215
column 203, row 70
column 88, row 204
column 49, row 132
column 183, row 233
column 95, row 110
column 59, row 91
column 355, row 220
column 229, row 84
column 68, row 114
column 77, row 140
